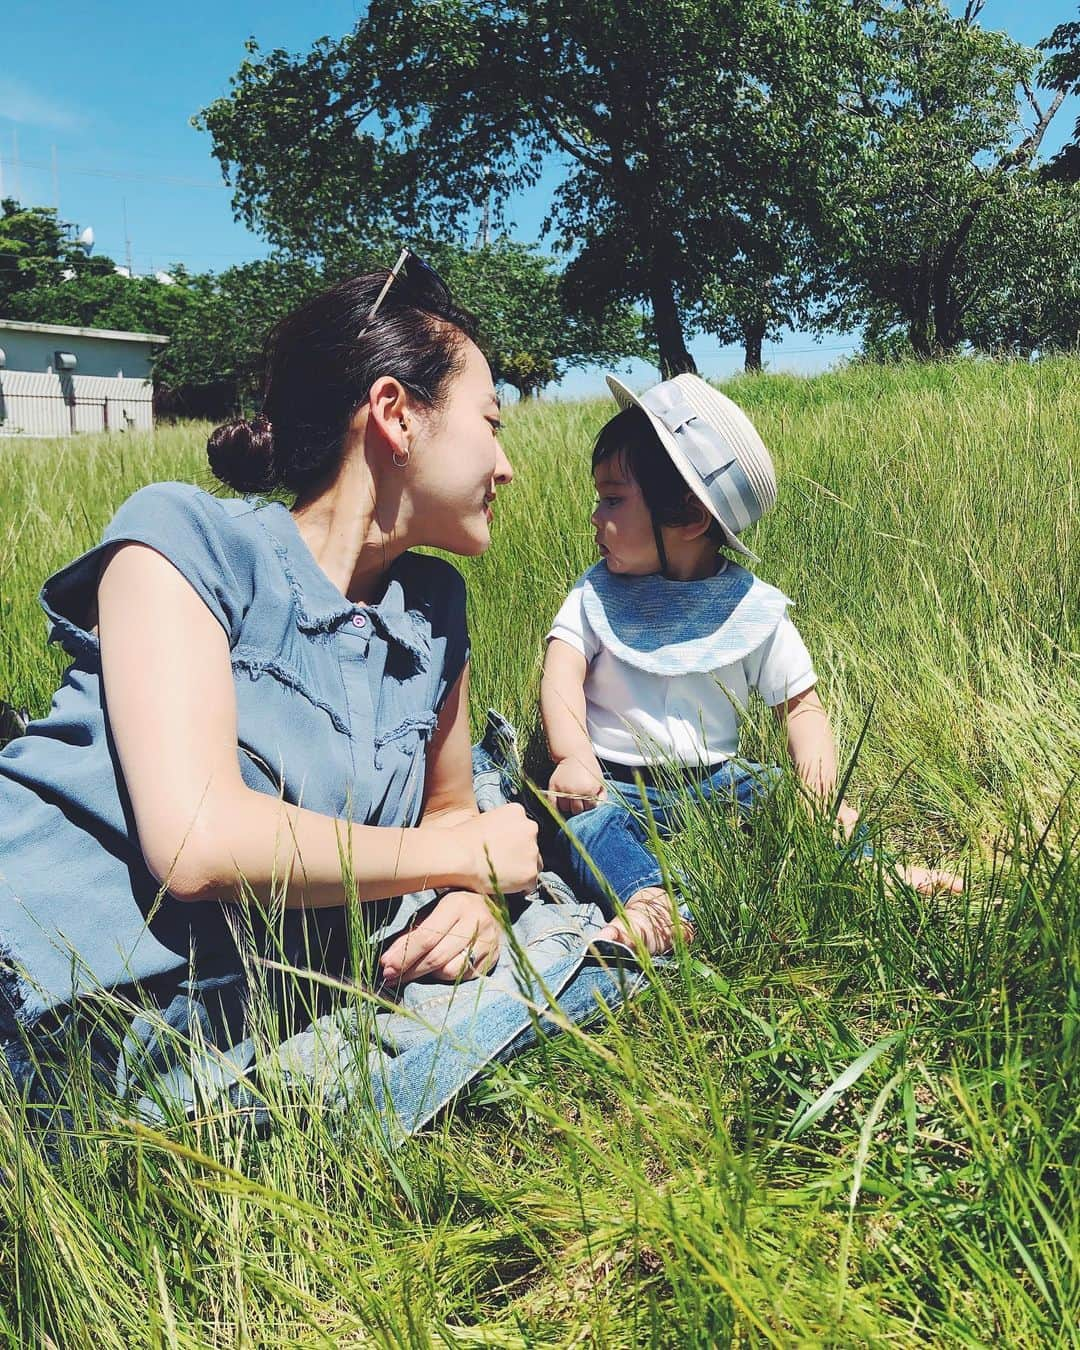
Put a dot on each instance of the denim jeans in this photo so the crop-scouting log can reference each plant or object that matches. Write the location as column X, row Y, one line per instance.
column 614, row 834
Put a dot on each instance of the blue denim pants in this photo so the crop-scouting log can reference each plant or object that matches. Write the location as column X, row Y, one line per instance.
column 611, row 838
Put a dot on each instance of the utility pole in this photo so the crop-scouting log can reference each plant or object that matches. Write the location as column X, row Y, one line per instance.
column 127, row 241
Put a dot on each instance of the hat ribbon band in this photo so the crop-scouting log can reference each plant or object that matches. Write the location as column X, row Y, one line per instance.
column 710, row 454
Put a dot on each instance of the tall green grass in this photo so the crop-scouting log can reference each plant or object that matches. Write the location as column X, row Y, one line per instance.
column 847, row 1115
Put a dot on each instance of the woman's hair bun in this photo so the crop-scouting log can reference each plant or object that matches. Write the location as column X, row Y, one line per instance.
column 241, row 454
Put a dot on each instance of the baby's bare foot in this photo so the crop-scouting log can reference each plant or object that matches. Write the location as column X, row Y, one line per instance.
column 932, row 880
column 650, row 916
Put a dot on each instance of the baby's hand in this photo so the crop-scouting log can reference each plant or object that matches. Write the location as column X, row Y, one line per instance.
column 576, row 786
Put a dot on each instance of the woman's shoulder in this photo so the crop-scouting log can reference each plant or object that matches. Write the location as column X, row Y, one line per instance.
column 205, row 537
column 184, row 505
column 184, row 521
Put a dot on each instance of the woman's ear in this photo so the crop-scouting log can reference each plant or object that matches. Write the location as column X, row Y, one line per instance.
column 390, row 413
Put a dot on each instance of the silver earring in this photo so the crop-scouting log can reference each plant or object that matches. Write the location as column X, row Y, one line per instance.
column 399, row 460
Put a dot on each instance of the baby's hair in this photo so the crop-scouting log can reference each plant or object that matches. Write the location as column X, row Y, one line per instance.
column 630, row 438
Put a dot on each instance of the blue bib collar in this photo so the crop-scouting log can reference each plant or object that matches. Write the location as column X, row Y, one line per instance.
column 681, row 627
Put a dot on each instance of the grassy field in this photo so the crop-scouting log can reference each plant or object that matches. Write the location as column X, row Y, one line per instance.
column 847, row 1116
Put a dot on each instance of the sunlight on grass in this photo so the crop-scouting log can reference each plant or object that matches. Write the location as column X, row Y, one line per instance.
column 847, row 1115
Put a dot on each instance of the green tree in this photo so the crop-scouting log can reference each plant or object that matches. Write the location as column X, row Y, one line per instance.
column 769, row 286
column 1026, row 291
column 528, row 330
column 214, row 361
column 674, row 122
column 107, row 300
column 1062, row 73
column 944, row 141
column 35, row 250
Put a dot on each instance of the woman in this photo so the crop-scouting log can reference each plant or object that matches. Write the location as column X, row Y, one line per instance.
column 265, row 702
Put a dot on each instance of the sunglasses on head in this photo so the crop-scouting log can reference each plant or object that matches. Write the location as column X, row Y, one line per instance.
column 415, row 269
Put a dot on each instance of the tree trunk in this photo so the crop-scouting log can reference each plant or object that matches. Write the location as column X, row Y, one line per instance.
column 674, row 357
column 753, row 337
column 921, row 337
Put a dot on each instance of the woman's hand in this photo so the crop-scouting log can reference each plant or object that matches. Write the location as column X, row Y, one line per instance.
column 500, row 843
column 459, row 939
column 577, row 785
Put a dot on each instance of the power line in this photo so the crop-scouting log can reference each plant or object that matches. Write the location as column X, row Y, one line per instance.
column 13, row 259
column 125, row 174
column 66, row 148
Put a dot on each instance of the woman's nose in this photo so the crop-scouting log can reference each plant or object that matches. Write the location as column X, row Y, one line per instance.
column 504, row 470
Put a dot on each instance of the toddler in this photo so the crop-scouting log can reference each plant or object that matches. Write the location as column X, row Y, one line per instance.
column 653, row 654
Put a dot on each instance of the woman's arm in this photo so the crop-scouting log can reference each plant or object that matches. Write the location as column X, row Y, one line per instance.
column 171, row 705
column 448, row 786
column 577, row 780
column 461, row 936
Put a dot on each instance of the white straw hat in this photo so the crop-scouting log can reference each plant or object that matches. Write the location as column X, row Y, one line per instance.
column 714, row 446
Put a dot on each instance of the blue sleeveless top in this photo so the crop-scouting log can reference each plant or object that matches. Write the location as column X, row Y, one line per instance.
column 335, row 705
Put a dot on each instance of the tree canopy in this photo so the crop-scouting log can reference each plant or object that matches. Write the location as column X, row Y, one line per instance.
column 674, row 122
column 945, row 143
column 215, row 358
column 36, row 250
column 530, row 329
column 1062, row 72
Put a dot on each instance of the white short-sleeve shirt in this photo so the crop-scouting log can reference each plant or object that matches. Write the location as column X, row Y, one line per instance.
column 634, row 716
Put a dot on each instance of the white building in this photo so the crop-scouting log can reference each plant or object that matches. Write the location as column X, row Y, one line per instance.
column 56, row 380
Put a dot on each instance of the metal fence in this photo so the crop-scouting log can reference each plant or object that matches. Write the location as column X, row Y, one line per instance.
column 65, row 405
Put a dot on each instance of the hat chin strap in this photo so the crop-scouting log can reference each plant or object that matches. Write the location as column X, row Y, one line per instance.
column 659, row 537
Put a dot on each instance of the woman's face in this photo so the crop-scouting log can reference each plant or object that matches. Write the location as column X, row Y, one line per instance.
column 457, row 461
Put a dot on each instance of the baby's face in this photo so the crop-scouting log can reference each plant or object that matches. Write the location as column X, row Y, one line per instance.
column 623, row 525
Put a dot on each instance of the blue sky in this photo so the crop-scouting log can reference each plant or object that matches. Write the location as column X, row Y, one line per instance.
column 105, row 92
